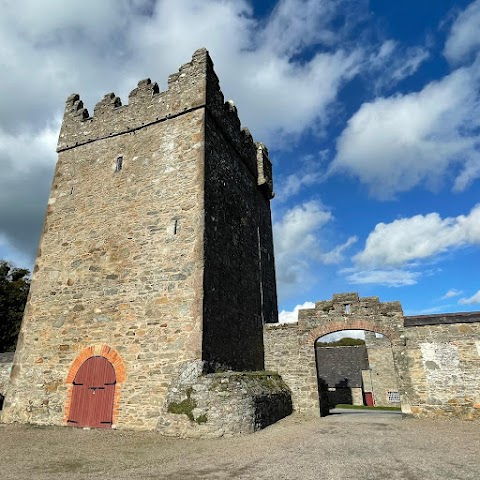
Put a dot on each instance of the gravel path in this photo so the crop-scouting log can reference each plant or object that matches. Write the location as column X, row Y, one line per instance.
column 351, row 446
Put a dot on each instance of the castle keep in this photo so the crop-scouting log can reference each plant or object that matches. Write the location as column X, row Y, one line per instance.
column 153, row 298
column 155, row 271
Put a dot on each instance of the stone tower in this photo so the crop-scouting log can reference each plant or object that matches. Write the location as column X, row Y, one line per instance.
column 156, row 258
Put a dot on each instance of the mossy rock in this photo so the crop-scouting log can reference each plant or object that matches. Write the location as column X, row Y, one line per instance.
column 201, row 419
column 185, row 407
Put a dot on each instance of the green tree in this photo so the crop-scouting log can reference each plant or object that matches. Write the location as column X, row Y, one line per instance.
column 343, row 342
column 14, row 287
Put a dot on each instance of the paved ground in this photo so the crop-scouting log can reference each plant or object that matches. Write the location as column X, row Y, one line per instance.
column 353, row 446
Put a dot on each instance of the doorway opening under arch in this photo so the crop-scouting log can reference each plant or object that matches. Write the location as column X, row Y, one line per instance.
column 356, row 369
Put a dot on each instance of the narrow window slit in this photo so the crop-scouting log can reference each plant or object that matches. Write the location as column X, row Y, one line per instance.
column 119, row 165
column 175, row 227
column 71, row 191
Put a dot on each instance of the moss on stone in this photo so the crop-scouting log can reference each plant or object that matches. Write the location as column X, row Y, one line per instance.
column 201, row 419
column 185, row 407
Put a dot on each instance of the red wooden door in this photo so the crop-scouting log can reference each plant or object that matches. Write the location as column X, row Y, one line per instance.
column 369, row 399
column 93, row 394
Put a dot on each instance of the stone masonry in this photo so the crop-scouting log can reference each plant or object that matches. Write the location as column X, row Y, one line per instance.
column 383, row 377
column 156, row 261
column 443, row 354
column 156, row 253
column 6, row 360
column 436, row 358
column 289, row 349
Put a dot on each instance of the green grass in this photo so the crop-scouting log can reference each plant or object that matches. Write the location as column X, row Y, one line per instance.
column 363, row 407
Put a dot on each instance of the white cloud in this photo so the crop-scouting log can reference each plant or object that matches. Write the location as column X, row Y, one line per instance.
column 391, row 63
column 453, row 292
column 240, row 43
column 296, row 237
column 300, row 247
column 295, row 182
column 336, row 254
column 473, row 299
column 313, row 17
column 419, row 237
column 53, row 48
column 292, row 317
column 29, row 149
column 391, row 277
column 464, row 38
column 295, row 233
column 310, row 172
column 393, row 144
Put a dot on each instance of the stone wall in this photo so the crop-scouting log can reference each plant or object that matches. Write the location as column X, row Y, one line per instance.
column 6, row 362
column 383, row 377
column 444, row 363
column 152, row 250
column 97, row 279
column 236, row 300
column 436, row 358
column 223, row 403
column 289, row 349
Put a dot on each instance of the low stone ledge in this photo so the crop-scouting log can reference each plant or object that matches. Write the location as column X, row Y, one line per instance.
column 224, row 403
column 462, row 412
column 281, row 326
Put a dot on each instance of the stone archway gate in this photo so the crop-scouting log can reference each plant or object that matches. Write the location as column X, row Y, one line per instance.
column 289, row 348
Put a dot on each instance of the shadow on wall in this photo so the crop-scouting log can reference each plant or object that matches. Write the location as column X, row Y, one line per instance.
column 323, row 397
column 341, row 395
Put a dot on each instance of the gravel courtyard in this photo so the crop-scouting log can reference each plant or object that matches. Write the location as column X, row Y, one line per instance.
column 347, row 446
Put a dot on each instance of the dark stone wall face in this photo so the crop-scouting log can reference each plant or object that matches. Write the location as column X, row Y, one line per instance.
column 232, row 326
column 239, row 283
column 267, row 260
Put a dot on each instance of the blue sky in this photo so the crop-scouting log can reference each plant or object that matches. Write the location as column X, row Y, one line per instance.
column 370, row 110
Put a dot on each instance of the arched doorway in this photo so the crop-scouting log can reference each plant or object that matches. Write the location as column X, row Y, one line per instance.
column 356, row 370
column 93, row 394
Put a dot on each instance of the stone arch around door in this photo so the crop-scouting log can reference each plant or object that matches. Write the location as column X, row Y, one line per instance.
column 350, row 312
column 86, row 400
column 290, row 349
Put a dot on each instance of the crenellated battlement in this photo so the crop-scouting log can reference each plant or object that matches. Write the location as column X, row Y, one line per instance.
column 146, row 105
column 194, row 86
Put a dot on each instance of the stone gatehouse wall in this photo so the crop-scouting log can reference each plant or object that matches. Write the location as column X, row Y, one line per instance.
column 289, row 349
column 382, row 375
column 443, row 354
column 436, row 358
